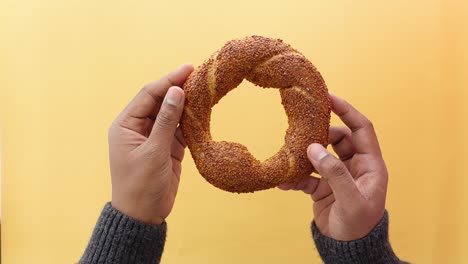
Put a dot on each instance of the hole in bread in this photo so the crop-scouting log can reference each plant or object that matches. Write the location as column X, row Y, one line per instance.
column 252, row 116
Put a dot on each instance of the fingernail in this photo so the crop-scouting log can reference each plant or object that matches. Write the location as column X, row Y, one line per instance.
column 173, row 96
column 317, row 152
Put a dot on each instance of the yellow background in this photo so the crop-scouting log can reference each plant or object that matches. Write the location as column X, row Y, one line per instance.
column 67, row 68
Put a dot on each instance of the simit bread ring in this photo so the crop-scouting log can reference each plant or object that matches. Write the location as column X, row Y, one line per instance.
column 267, row 63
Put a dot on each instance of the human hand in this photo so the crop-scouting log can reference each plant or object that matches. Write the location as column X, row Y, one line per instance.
column 146, row 149
column 349, row 198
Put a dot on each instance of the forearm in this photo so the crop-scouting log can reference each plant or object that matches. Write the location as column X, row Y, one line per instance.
column 118, row 239
column 374, row 248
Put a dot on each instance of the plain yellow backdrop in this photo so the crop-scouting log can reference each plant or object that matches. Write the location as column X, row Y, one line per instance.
column 67, row 68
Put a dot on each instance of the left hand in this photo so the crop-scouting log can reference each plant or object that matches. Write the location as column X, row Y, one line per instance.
column 146, row 149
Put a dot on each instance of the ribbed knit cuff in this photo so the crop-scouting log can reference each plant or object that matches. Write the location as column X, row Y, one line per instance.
column 374, row 248
column 118, row 239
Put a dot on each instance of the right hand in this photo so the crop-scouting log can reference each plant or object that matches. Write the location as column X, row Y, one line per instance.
column 349, row 198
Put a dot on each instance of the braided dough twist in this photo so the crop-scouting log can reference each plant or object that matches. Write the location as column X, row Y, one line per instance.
column 267, row 63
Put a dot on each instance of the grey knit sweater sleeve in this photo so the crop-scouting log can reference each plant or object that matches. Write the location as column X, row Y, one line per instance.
column 119, row 239
column 372, row 249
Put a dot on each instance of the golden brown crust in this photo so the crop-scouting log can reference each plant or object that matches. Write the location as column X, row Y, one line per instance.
column 267, row 63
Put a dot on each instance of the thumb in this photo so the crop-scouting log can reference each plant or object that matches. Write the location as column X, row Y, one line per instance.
column 168, row 117
column 335, row 172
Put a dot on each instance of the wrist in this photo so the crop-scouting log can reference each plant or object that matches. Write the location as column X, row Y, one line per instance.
column 372, row 248
column 118, row 238
column 142, row 215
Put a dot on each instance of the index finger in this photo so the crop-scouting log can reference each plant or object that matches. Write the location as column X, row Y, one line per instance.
column 149, row 99
column 364, row 137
